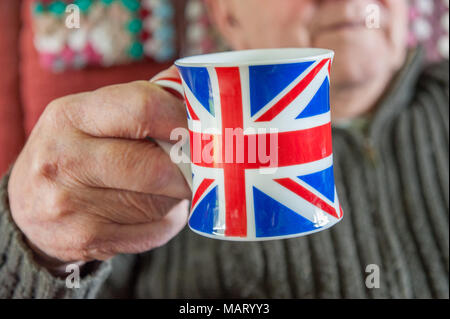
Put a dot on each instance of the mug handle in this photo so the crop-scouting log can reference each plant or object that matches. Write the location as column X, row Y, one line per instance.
column 174, row 87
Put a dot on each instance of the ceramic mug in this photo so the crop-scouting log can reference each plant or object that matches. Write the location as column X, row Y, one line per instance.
column 261, row 163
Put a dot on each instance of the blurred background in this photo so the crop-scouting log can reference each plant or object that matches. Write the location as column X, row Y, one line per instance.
column 47, row 52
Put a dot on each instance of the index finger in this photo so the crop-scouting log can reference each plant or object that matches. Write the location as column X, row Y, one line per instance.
column 133, row 110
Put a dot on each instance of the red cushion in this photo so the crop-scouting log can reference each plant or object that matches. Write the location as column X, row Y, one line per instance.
column 11, row 129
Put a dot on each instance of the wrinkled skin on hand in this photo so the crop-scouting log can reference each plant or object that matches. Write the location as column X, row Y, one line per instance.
column 89, row 185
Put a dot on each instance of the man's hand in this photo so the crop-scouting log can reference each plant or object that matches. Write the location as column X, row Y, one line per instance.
column 88, row 185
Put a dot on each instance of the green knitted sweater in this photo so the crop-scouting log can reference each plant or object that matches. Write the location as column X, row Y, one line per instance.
column 392, row 175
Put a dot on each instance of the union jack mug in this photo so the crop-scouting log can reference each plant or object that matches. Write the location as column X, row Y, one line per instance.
column 261, row 163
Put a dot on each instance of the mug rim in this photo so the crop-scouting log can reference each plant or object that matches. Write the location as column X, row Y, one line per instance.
column 255, row 57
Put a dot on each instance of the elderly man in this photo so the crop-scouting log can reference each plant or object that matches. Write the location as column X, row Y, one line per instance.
column 88, row 187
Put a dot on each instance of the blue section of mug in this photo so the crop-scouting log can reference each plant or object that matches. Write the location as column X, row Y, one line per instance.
column 267, row 81
column 320, row 103
column 198, row 81
column 202, row 218
column 322, row 181
column 274, row 219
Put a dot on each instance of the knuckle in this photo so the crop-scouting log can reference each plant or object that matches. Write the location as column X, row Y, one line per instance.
column 62, row 201
column 48, row 169
column 85, row 255
column 55, row 111
column 51, row 160
column 143, row 99
column 144, row 112
column 88, row 254
column 87, row 240
column 105, row 251
column 138, row 91
column 59, row 204
column 146, row 101
column 53, row 108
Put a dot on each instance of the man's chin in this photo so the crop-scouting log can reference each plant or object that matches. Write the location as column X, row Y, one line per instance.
column 354, row 46
column 356, row 64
